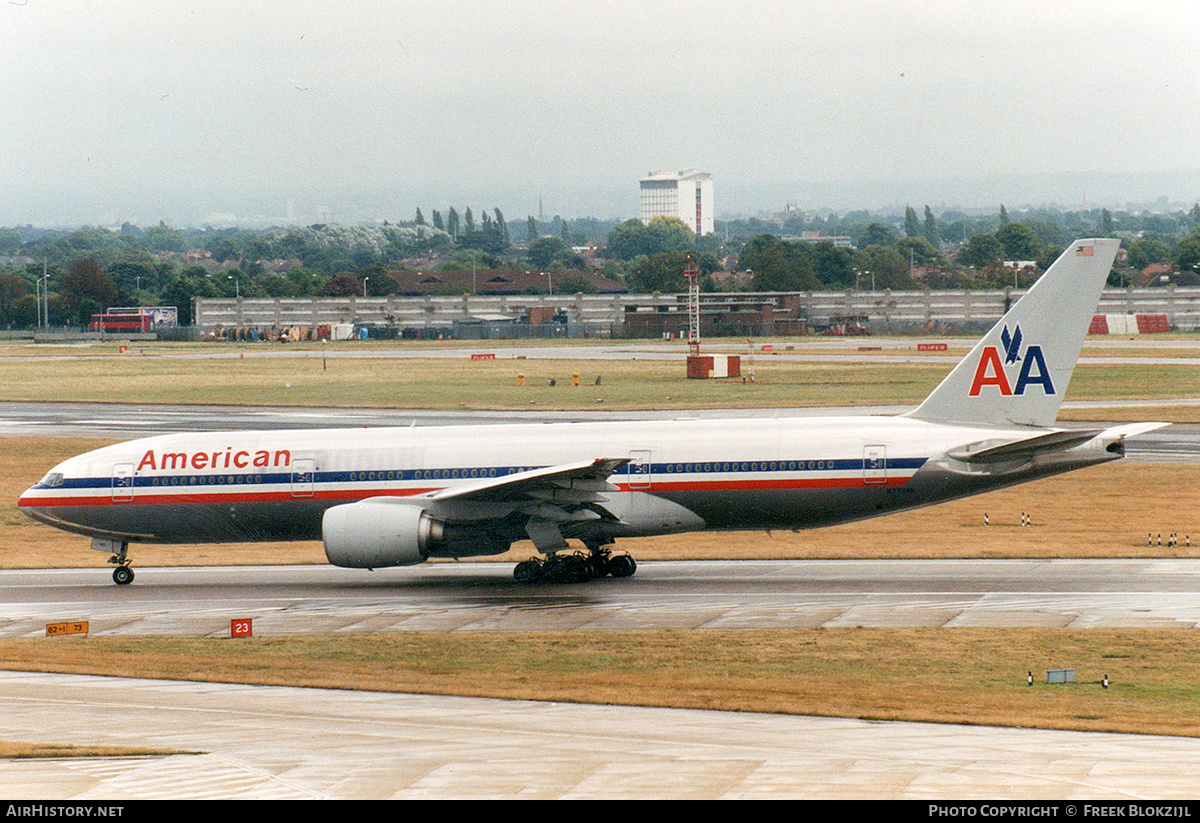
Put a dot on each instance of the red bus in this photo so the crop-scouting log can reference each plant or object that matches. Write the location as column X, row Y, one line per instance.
column 136, row 319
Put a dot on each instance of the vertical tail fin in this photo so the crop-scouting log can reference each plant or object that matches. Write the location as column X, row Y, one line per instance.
column 1018, row 373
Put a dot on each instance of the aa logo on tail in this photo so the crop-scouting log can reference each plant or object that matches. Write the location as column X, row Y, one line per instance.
column 990, row 371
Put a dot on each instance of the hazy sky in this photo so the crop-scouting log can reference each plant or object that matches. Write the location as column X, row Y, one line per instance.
column 186, row 111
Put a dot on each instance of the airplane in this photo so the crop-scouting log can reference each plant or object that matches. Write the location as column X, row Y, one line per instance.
column 380, row 497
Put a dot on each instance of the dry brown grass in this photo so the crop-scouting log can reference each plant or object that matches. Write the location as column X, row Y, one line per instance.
column 973, row 676
column 20, row 750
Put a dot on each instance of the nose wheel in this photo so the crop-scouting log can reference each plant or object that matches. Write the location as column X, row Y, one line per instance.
column 122, row 574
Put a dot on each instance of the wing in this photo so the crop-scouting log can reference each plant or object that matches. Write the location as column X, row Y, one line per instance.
column 570, row 481
column 550, row 498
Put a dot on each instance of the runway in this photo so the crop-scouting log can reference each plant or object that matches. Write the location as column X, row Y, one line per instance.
column 692, row 595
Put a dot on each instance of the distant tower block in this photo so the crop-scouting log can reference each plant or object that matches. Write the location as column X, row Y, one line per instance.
column 687, row 194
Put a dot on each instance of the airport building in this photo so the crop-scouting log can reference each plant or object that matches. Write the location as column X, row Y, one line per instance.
column 687, row 194
column 623, row 315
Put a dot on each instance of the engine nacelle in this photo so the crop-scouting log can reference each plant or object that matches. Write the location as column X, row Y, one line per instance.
column 385, row 531
column 375, row 533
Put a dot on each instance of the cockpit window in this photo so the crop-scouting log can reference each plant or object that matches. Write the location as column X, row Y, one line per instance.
column 53, row 479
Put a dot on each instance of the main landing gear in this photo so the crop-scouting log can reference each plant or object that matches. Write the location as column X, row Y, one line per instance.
column 574, row 567
column 122, row 574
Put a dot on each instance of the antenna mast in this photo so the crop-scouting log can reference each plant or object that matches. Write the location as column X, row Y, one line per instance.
column 692, row 273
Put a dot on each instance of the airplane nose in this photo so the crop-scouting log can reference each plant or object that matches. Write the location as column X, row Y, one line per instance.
column 27, row 497
column 27, row 504
column 34, row 496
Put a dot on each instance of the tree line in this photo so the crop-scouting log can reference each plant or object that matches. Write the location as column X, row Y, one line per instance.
column 90, row 269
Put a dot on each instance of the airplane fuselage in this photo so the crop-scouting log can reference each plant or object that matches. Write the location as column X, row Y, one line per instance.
column 681, row 475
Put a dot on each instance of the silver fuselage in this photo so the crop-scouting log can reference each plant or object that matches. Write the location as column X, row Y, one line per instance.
column 682, row 475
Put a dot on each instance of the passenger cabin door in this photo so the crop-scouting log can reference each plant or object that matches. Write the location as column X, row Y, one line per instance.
column 302, row 477
column 875, row 465
column 122, row 483
column 639, row 469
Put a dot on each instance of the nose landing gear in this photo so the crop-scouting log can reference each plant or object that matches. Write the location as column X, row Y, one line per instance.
column 122, row 575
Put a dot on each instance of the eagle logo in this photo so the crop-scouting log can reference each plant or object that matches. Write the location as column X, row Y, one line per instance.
column 1012, row 344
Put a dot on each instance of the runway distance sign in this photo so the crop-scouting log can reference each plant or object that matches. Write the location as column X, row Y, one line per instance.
column 66, row 627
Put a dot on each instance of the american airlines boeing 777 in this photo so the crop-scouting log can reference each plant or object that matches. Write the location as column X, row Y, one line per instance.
column 398, row 496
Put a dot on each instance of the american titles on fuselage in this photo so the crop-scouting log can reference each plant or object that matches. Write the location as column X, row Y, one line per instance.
column 227, row 459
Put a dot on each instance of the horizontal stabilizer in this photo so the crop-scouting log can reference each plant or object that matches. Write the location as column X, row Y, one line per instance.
column 1133, row 429
column 982, row 452
column 989, row 451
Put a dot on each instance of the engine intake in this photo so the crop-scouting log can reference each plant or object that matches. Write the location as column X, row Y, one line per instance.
column 376, row 533
column 384, row 531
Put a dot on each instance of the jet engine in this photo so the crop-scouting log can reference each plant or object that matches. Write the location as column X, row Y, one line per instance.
column 384, row 531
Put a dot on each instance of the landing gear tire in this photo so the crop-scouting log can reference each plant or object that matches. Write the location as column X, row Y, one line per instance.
column 557, row 568
column 601, row 567
column 574, row 568
column 122, row 574
column 607, row 564
column 528, row 571
column 622, row 565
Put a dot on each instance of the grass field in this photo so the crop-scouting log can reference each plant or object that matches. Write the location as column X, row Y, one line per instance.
column 971, row 676
column 246, row 375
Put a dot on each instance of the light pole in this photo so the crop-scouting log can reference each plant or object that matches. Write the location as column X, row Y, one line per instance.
column 365, row 279
column 44, row 303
